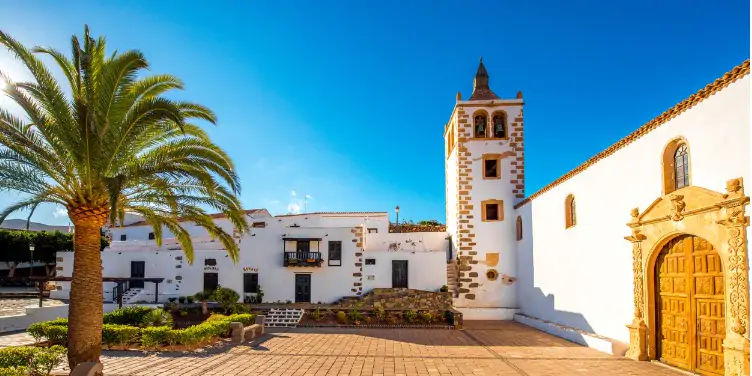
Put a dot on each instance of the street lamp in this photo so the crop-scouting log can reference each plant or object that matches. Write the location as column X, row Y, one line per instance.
column 31, row 261
column 396, row 210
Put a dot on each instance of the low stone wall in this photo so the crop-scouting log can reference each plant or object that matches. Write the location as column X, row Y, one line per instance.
column 401, row 299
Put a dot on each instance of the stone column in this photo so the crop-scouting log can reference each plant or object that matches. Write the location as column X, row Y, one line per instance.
column 638, row 339
column 736, row 343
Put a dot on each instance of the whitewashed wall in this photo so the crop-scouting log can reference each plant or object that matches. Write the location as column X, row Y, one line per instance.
column 261, row 251
column 407, row 242
column 425, row 270
column 582, row 276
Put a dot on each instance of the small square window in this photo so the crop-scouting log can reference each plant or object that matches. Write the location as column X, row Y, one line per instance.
column 151, row 236
column 259, row 224
column 370, row 261
column 210, row 262
column 491, row 168
column 492, row 212
column 122, row 237
column 373, row 231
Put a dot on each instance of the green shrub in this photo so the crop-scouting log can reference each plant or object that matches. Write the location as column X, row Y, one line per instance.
column 119, row 335
column 380, row 313
column 317, row 315
column 426, row 317
column 342, row 317
column 244, row 318
column 30, row 360
column 444, row 288
column 354, row 315
column 189, row 299
column 226, row 297
column 132, row 316
column 157, row 317
column 410, row 315
column 240, row 308
column 216, row 317
column 156, row 335
column 54, row 331
column 183, row 313
column 15, row 371
column 181, row 299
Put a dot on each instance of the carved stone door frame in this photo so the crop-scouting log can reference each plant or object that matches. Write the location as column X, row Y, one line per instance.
column 721, row 220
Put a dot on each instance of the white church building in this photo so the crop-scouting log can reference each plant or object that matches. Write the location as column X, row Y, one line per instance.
column 644, row 245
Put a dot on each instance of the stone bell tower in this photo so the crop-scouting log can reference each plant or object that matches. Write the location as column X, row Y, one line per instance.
column 485, row 174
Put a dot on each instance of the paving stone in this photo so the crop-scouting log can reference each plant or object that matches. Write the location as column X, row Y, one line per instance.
column 484, row 348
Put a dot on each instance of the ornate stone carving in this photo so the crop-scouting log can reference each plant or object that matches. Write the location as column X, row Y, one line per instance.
column 676, row 212
column 720, row 219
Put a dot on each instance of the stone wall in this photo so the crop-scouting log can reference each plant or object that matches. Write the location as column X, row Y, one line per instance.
column 400, row 299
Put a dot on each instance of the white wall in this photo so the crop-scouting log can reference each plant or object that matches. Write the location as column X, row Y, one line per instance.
column 261, row 251
column 39, row 314
column 425, row 270
column 407, row 241
column 582, row 276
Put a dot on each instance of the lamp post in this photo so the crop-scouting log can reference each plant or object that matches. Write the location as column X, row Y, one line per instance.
column 396, row 227
column 31, row 260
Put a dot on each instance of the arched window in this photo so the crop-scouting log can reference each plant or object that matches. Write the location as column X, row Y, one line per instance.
column 681, row 166
column 570, row 212
column 676, row 168
column 519, row 228
column 480, row 124
column 499, row 125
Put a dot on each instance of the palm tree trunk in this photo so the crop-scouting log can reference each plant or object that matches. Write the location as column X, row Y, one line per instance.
column 85, row 311
column 204, row 308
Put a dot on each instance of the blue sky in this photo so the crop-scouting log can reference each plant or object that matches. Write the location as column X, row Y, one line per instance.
column 347, row 102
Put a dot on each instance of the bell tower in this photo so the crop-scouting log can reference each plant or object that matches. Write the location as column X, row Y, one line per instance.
column 485, row 178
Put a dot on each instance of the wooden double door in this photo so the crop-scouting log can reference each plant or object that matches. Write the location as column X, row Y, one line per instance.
column 690, row 322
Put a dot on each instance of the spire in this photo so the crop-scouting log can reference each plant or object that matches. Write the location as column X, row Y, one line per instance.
column 481, row 90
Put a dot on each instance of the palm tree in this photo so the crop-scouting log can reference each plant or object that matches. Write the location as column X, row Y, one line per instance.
column 111, row 144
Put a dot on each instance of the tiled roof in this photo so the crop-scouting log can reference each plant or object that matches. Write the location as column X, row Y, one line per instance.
column 719, row 84
column 215, row 215
column 331, row 213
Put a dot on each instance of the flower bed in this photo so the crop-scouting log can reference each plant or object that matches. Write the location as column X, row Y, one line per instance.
column 144, row 328
column 376, row 318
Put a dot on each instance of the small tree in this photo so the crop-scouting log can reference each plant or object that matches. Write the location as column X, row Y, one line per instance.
column 431, row 222
column 203, row 296
column 226, row 297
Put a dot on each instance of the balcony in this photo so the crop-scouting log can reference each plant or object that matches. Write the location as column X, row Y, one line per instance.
column 303, row 259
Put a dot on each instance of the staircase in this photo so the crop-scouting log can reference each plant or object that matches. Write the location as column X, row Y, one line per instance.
column 285, row 318
column 130, row 296
column 452, row 278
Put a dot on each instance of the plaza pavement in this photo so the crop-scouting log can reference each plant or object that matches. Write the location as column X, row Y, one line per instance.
column 483, row 348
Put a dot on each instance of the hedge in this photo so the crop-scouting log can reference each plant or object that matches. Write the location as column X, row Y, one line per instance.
column 132, row 316
column 215, row 326
column 30, row 360
column 56, row 331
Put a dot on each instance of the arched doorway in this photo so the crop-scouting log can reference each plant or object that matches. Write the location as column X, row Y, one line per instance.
column 689, row 305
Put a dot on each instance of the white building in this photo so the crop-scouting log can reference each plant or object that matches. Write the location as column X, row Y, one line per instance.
column 313, row 257
column 644, row 246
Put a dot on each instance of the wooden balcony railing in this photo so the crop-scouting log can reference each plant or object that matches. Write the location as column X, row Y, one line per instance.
column 302, row 259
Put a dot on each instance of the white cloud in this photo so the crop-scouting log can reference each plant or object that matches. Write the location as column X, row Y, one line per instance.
column 60, row 212
column 296, row 204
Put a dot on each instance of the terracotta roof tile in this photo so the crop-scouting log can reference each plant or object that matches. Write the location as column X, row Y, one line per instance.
column 730, row 77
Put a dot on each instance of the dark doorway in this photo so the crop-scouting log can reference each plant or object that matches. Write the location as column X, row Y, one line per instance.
column 138, row 270
column 211, row 281
column 302, row 288
column 399, row 274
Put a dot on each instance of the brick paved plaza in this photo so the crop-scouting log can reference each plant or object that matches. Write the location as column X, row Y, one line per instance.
column 504, row 348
